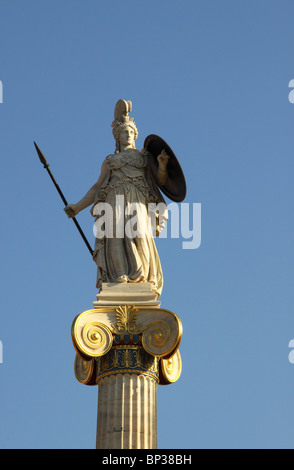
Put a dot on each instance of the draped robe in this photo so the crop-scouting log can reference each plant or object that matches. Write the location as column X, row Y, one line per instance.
column 130, row 179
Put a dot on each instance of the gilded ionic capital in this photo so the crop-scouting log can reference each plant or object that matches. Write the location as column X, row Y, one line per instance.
column 127, row 339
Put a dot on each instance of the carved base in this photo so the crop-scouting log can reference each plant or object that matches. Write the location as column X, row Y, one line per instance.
column 139, row 294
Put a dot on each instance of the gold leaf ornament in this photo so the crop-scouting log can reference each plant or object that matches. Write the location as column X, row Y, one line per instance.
column 126, row 317
column 156, row 338
column 170, row 369
column 85, row 370
column 95, row 340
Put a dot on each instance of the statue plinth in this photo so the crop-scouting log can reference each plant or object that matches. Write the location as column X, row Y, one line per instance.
column 127, row 347
column 141, row 294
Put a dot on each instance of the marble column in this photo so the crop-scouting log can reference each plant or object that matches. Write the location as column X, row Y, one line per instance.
column 127, row 412
column 127, row 349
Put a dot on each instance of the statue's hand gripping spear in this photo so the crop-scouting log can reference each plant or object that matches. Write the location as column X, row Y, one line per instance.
column 46, row 165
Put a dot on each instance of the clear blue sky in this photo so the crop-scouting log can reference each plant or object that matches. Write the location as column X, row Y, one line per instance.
column 211, row 78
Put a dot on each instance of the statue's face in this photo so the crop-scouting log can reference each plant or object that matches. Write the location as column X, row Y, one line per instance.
column 127, row 136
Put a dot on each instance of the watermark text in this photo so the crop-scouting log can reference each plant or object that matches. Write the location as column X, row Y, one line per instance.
column 291, row 94
column 137, row 220
column 291, row 354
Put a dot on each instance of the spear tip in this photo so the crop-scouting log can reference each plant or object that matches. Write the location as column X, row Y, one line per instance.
column 41, row 156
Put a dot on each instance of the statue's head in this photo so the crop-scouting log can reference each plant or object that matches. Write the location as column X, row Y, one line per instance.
column 123, row 127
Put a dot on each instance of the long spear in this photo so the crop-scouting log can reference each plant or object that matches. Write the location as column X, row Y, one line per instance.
column 46, row 165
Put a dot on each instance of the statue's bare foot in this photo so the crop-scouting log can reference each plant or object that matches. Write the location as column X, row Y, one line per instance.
column 123, row 278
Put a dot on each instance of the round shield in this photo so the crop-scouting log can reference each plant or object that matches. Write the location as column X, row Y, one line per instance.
column 175, row 187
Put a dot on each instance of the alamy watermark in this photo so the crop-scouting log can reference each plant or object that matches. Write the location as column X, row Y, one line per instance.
column 291, row 94
column 291, row 342
column 291, row 354
column 135, row 219
column 1, row 92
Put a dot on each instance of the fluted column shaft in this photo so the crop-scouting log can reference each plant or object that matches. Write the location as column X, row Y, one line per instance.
column 127, row 412
column 127, row 380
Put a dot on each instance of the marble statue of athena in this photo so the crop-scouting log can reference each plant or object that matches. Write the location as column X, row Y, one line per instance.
column 128, row 185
